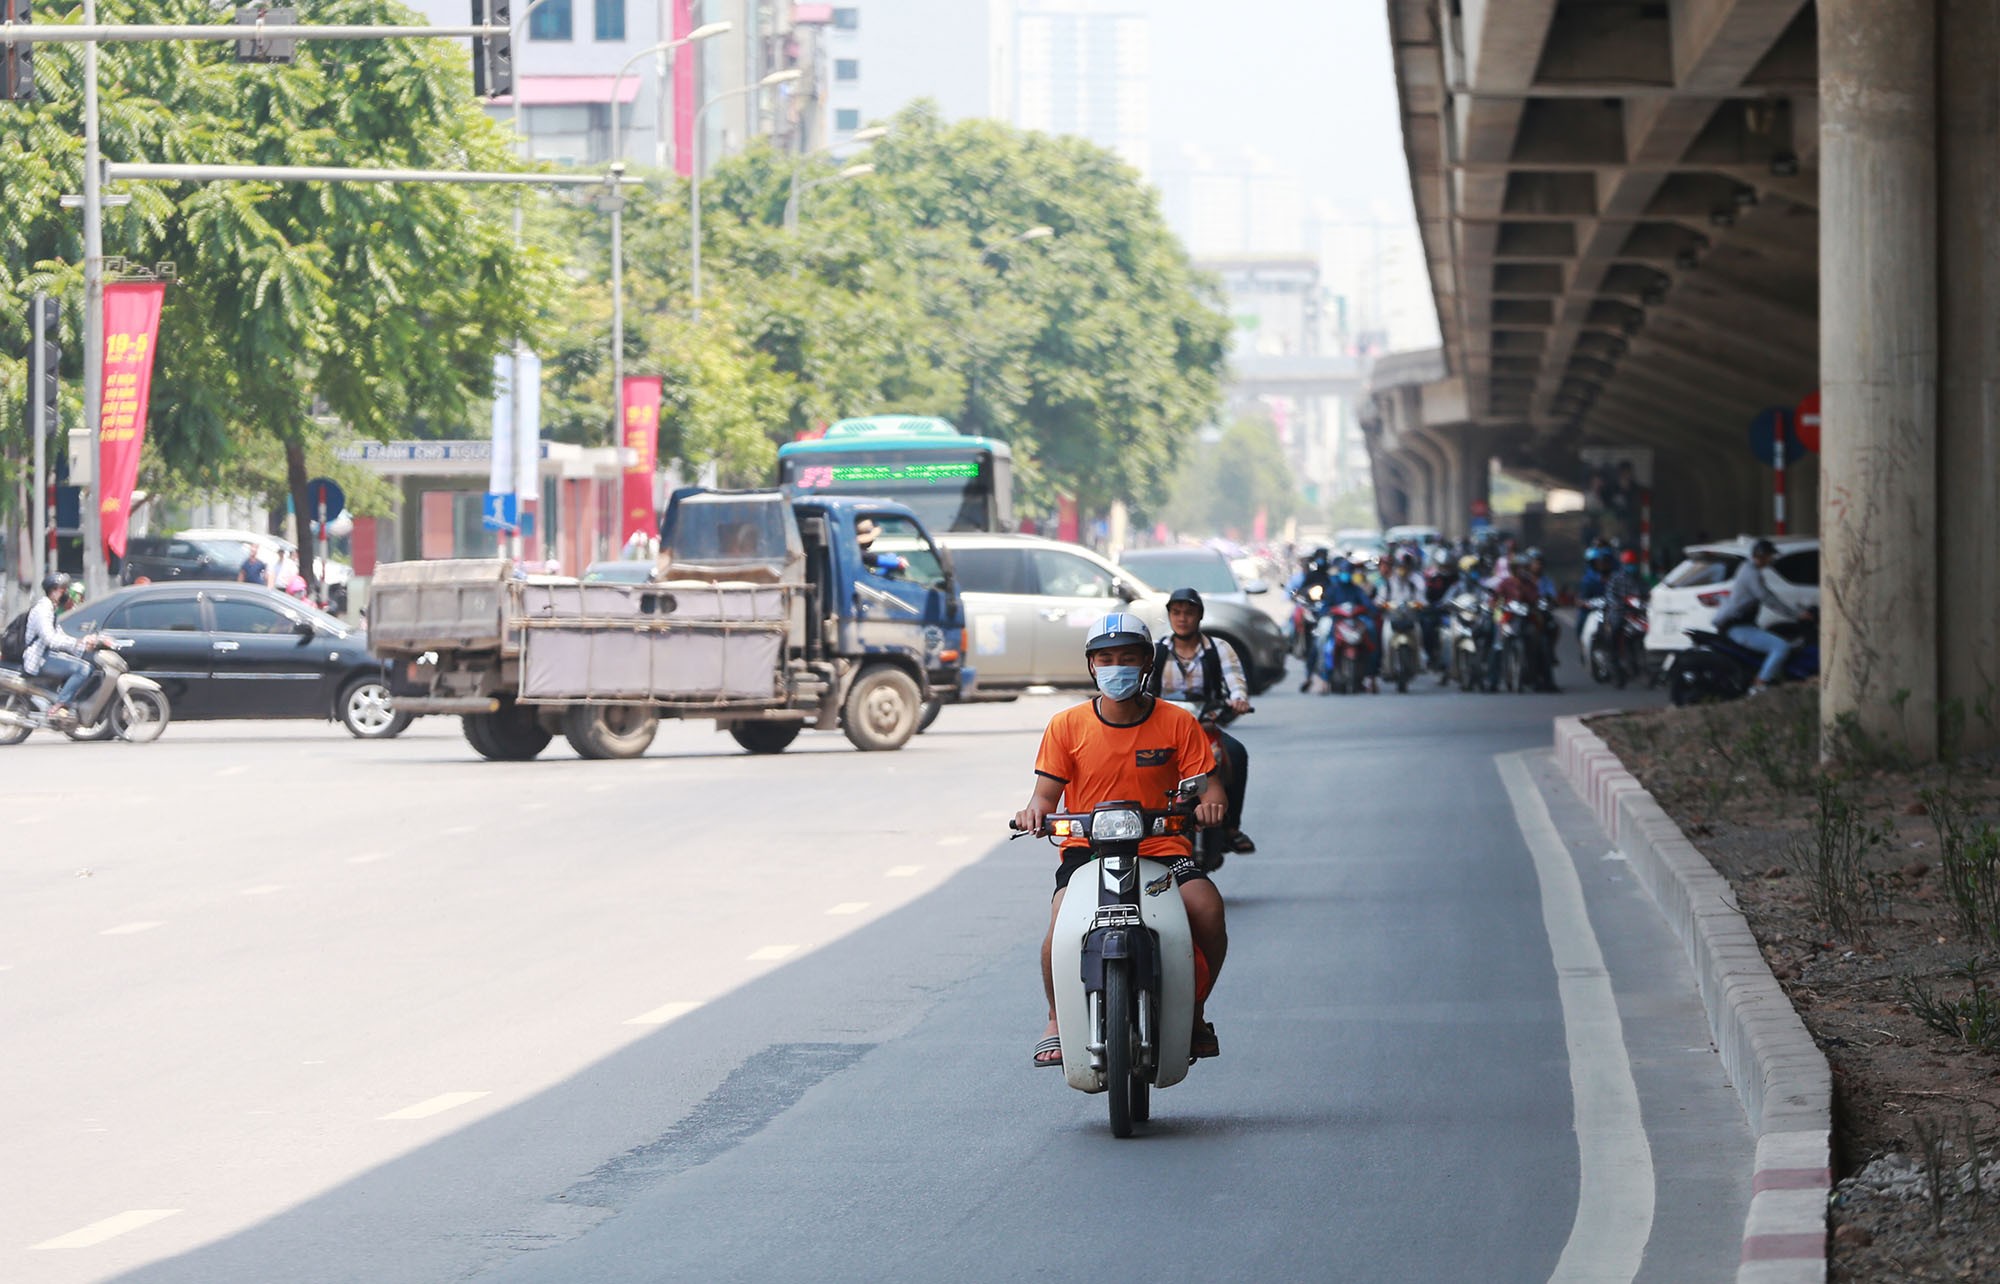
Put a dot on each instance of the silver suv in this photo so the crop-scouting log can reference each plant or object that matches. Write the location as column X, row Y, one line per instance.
column 1028, row 602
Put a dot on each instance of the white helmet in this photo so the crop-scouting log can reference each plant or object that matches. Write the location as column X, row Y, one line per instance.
column 1120, row 628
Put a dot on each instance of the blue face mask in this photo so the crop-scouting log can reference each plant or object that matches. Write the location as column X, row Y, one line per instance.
column 1119, row 681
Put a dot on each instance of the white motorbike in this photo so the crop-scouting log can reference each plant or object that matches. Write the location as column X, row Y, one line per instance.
column 1124, row 958
column 114, row 703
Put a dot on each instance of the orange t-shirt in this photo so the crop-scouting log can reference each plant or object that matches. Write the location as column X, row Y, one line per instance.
column 1097, row 761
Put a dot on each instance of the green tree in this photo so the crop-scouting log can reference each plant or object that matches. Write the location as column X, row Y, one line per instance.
column 297, row 305
column 1222, row 486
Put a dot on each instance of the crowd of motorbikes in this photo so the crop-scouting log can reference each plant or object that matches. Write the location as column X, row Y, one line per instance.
column 1463, row 623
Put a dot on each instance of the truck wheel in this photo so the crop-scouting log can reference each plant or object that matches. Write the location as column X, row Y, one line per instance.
column 765, row 737
column 882, row 709
column 509, row 735
column 610, row 730
column 932, row 708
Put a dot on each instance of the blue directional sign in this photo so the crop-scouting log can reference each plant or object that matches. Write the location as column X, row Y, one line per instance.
column 324, row 495
column 500, row 513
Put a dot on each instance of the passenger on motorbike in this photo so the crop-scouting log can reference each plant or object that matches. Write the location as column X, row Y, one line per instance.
column 51, row 651
column 1192, row 668
column 1736, row 618
column 1125, row 744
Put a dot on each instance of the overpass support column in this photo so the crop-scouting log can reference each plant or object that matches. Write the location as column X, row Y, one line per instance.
column 1879, row 367
column 1968, row 459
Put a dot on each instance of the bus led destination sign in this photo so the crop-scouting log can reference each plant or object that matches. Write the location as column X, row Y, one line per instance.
column 819, row 477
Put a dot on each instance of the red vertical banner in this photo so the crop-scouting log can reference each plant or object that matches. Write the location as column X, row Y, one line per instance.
column 639, row 433
column 131, row 331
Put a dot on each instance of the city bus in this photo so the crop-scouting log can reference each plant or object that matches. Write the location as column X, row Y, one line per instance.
column 953, row 481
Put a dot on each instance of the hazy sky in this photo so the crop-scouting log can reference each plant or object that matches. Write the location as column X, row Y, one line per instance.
column 1309, row 83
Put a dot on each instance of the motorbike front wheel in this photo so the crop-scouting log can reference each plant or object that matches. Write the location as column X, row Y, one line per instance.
column 1700, row 679
column 1118, row 1073
column 138, row 717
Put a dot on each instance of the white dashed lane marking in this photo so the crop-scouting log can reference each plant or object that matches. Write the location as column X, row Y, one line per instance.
column 127, row 929
column 773, row 952
column 111, row 1227
column 459, row 829
column 953, row 840
column 662, row 1015
column 436, row 1105
column 901, row 871
column 367, row 858
column 848, row 907
column 264, row 890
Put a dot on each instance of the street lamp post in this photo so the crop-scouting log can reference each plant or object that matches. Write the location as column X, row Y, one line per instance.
column 616, row 200
column 799, row 191
column 694, row 196
column 865, row 136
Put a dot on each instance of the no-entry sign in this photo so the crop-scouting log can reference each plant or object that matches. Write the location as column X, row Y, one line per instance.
column 1805, row 422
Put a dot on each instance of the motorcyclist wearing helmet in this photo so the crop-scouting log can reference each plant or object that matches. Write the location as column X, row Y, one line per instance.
column 1404, row 587
column 1350, row 588
column 1124, row 743
column 53, row 652
column 1522, row 585
column 1191, row 667
column 1315, row 570
column 1598, row 563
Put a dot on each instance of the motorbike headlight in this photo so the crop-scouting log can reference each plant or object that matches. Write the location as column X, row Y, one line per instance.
column 1116, row 826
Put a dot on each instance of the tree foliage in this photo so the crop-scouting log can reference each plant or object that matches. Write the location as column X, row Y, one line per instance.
column 372, row 306
column 1223, row 485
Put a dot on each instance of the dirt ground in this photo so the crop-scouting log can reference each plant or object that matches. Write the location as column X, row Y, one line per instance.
column 1875, row 893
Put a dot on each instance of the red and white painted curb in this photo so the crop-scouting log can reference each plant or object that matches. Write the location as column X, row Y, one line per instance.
column 1779, row 1072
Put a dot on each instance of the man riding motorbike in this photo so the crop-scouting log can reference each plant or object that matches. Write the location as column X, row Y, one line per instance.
column 1404, row 588
column 1125, row 744
column 1192, row 668
column 1349, row 589
column 1736, row 618
column 51, row 651
column 1521, row 587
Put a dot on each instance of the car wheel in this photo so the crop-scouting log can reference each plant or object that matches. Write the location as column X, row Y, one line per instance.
column 368, row 713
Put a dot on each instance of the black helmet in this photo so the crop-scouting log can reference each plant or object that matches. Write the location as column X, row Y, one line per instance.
column 54, row 580
column 1190, row 596
column 1763, row 548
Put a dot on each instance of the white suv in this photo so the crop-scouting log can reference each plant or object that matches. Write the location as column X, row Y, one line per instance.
column 1687, row 597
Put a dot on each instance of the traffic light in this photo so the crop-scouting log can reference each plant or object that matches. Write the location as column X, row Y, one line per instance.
column 492, row 57
column 17, row 61
column 44, row 360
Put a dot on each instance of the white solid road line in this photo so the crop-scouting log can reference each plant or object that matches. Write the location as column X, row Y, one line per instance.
column 772, row 952
column 367, row 858
column 902, row 871
column 98, row 1232
column 127, row 929
column 1614, row 1203
column 848, row 907
column 662, row 1015
column 953, row 840
column 265, row 890
column 435, row 1106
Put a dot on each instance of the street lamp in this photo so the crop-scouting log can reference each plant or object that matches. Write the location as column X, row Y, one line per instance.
column 864, row 137
column 800, row 189
column 694, row 196
column 616, row 200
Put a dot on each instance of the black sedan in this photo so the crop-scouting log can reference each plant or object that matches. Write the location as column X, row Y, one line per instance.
column 244, row 651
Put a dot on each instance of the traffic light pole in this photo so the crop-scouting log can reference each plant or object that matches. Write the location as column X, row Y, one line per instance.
column 90, row 504
column 38, row 420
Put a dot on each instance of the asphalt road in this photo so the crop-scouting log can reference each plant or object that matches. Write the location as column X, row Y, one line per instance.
column 278, row 1005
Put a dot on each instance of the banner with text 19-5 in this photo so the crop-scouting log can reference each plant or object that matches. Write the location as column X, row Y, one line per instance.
column 640, row 434
column 131, row 332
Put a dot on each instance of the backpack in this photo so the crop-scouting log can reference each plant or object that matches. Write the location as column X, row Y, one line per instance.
column 14, row 639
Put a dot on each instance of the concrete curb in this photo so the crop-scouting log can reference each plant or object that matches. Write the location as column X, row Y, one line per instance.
column 1779, row 1072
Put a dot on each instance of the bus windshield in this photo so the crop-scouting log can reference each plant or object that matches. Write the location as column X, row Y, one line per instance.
column 952, row 488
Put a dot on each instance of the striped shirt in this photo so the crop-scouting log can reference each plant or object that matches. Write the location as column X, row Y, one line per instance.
column 44, row 636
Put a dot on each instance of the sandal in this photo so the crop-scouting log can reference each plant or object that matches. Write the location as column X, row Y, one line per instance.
column 1240, row 844
column 1203, row 1044
column 1048, row 1053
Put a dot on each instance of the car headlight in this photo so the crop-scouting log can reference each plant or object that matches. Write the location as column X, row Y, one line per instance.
column 1115, row 826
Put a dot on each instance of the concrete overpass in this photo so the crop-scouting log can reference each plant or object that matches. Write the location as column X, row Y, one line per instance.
column 1646, row 221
